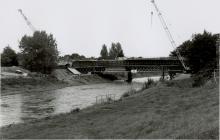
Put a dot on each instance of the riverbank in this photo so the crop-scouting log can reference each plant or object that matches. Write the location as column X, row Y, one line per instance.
column 169, row 110
column 21, row 85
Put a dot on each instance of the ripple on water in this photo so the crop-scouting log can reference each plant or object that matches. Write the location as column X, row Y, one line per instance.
column 25, row 107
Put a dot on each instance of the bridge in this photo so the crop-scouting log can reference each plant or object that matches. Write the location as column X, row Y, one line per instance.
column 164, row 64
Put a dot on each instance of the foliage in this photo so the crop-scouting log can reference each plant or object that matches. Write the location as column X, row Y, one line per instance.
column 9, row 57
column 199, row 52
column 119, row 50
column 116, row 51
column 183, row 49
column 112, row 51
column 104, row 52
column 198, row 81
column 39, row 52
column 183, row 83
column 74, row 56
column 129, row 93
column 150, row 82
column 201, row 77
column 64, row 58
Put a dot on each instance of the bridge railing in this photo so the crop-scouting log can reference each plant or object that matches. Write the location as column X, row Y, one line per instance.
column 120, row 63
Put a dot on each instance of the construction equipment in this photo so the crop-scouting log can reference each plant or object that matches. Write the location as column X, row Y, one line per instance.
column 173, row 43
column 27, row 21
column 151, row 18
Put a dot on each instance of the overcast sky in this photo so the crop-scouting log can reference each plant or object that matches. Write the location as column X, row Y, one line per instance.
column 83, row 26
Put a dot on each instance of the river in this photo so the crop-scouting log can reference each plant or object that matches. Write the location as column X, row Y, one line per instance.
column 35, row 105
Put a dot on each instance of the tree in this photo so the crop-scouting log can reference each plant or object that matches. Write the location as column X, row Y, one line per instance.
column 39, row 52
column 200, row 52
column 119, row 50
column 9, row 57
column 116, row 51
column 203, row 52
column 76, row 56
column 183, row 49
column 104, row 52
column 112, row 51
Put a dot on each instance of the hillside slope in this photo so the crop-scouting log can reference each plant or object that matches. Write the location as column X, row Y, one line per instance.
column 159, row 112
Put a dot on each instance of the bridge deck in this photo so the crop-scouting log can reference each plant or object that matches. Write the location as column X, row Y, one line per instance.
column 147, row 64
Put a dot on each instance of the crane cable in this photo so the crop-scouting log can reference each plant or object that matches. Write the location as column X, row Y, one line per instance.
column 173, row 43
column 27, row 21
column 151, row 18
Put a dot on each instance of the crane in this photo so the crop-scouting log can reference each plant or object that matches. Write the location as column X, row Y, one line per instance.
column 169, row 35
column 27, row 21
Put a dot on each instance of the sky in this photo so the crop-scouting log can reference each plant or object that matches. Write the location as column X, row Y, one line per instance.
column 83, row 26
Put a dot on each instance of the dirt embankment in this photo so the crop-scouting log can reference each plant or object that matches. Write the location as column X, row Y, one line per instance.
column 18, row 84
column 169, row 110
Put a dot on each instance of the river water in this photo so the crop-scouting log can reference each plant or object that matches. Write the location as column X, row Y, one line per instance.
column 34, row 105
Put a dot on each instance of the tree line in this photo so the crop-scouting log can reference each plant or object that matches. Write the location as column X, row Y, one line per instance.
column 114, row 52
column 39, row 53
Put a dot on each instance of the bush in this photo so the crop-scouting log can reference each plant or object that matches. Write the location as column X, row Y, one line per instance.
column 129, row 93
column 199, row 81
column 202, row 77
column 148, row 84
column 170, row 84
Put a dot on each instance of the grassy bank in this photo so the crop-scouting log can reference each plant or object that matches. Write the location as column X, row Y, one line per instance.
column 168, row 110
column 20, row 85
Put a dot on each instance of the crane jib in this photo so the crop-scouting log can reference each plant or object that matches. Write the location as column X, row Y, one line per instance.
column 170, row 37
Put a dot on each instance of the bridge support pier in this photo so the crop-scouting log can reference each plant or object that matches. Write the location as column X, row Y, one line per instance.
column 163, row 73
column 171, row 74
column 129, row 79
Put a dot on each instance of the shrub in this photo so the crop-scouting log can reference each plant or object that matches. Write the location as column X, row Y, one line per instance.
column 170, row 84
column 199, row 81
column 75, row 110
column 148, row 84
column 129, row 93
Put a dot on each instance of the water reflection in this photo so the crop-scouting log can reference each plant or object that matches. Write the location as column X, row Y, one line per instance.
column 145, row 79
column 37, row 105
column 10, row 109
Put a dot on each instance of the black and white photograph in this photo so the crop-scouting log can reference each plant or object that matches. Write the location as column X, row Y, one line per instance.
column 109, row 69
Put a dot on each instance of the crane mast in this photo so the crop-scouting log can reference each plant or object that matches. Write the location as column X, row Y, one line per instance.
column 173, row 43
column 27, row 21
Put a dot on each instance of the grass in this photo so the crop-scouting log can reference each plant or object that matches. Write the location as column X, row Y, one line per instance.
column 185, row 83
column 167, row 112
column 129, row 93
column 23, row 84
column 150, row 83
column 35, row 83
